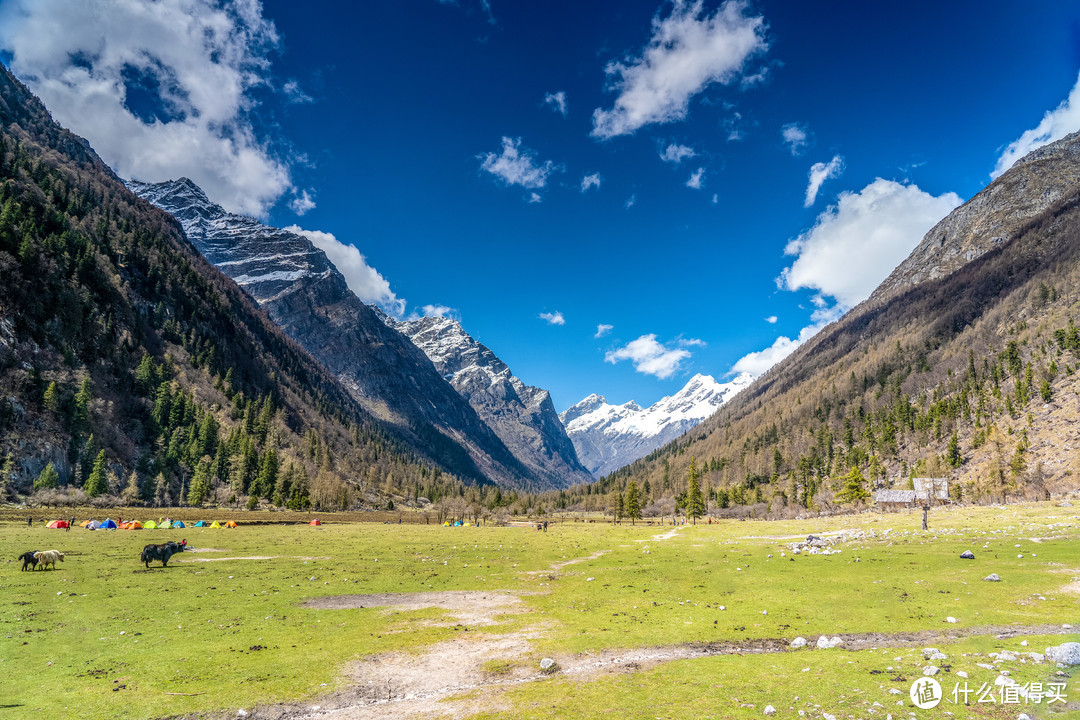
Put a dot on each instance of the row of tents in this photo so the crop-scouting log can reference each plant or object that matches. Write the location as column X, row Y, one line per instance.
column 110, row 524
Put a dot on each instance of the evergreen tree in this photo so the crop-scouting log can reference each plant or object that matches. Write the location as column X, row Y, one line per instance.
column 633, row 502
column 81, row 415
column 854, row 488
column 48, row 479
column 695, row 502
column 7, row 472
column 130, row 494
column 952, row 455
column 96, row 484
column 52, row 397
column 200, row 483
column 267, row 479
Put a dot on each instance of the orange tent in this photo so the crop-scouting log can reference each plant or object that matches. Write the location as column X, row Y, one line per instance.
column 58, row 524
column 131, row 525
column 230, row 524
column 315, row 522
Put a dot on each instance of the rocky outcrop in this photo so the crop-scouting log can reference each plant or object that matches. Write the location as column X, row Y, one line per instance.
column 1034, row 184
column 523, row 416
column 306, row 295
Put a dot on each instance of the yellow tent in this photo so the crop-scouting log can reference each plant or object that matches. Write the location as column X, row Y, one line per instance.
column 150, row 525
column 215, row 524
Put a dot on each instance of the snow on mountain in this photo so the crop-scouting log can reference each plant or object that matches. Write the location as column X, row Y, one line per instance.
column 523, row 416
column 608, row 437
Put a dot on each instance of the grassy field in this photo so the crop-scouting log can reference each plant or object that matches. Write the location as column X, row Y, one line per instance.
column 643, row 621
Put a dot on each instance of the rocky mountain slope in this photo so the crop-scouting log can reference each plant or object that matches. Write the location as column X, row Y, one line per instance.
column 305, row 294
column 130, row 367
column 962, row 364
column 522, row 416
column 607, row 437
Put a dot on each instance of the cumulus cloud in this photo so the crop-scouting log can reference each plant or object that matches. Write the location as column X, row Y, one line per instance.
column 161, row 90
column 302, row 203
column 602, row 330
column 436, row 311
column 857, row 242
column 697, row 179
column 555, row 318
column 819, row 173
column 517, row 166
column 688, row 51
column 795, row 137
column 675, row 153
column 557, row 102
column 591, row 181
column 1056, row 124
column 649, row 356
column 771, row 319
column 756, row 363
column 364, row 280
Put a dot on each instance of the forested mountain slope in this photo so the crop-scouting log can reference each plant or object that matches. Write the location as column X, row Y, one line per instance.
column 130, row 367
column 968, row 371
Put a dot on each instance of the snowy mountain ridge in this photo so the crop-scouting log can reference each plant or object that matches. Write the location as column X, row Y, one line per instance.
column 608, row 437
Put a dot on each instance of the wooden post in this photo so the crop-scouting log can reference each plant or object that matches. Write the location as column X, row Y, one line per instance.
column 925, row 510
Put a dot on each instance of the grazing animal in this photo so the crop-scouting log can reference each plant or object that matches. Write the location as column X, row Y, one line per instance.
column 45, row 558
column 162, row 552
column 28, row 560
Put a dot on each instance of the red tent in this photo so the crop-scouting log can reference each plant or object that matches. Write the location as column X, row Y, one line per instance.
column 58, row 524
column 315, row 522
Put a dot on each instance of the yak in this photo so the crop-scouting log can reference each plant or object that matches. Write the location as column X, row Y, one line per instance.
column 162, row 552
column 45, row 558
column 28, row 560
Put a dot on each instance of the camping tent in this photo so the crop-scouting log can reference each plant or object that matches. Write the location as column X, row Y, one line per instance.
column 215, row 524
column 85, row 523
column 315, row 522
column 58, row 524
column 199, row 524
column 92, row 525
column 177, row 524
column 230, row 524
column 109, row 524
column 131, row 525
column 150, row 525
column 165, row 524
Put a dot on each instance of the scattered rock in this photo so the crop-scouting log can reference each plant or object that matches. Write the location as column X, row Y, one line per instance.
column 930, row 670
column 967, row 555
column 798, row 642
column 929, row 652
column 770, row 710
column 548, row 665
column 951, row 619
column 961, row 673
column 992, row 577
column 939, row 656
column 1066, row 653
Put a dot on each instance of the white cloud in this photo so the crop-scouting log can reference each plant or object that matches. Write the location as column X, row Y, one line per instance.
column 649, row 356
column 437, row 311
column 819, row 173
column 1056, row 124
column 295, row 93
column 631, row 201
column 557, row 102
column 555, row 318
column 535, row 198
column 302, row 203
column 734, row 126
column 692, row 342
column 756, row 363
column 517, row 166
column 602, row 330
column 686, row 53
column 715, row 198
column 591, row 181
column 795, row 137
column 771, row 319
column 697, row 179
column 856, row 243
column 675, row 153
column 161, row 90
column 364, row 280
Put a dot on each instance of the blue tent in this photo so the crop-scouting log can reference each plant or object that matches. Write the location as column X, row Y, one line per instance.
column 200, row 524
column 107, row 525
column 178, row 523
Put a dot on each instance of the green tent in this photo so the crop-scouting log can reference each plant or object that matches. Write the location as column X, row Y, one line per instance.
column 165, row 525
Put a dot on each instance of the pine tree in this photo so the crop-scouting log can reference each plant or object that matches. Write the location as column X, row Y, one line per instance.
column 695, row 502
column 267, row 479
column 854, row 488
column 81, row 415
column 52, row 397
column 200, row 483
column 96, row 484
column 633, row 502
column 130, row 493
column 952, row 455
column 48, row 479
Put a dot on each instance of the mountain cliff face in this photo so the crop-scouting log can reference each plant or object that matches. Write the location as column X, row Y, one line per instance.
column 522, row 416
column 961, row 365
column 306, row 295
column 1035, row 183
column 607, row 437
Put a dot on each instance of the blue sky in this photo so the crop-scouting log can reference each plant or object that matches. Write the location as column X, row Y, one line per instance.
column 612, row 196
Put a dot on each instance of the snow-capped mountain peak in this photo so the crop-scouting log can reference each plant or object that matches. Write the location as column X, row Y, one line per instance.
column 607, row 437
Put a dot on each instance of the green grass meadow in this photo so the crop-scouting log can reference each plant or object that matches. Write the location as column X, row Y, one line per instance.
column 102, row 637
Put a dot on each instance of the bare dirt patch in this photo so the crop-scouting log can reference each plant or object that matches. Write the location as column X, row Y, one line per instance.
column 470, row 607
